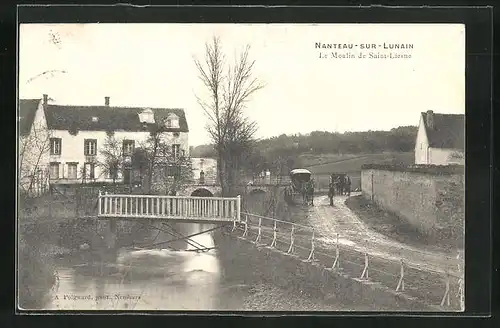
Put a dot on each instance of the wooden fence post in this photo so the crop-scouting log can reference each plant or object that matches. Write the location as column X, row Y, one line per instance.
column 364, row 274
column 336, row 263
column 401, row 282
column 446, row 296
column 273, row 243
column 246, row 226
column 292, row 240
column 461, row 288
column 311, row 254
column 257, row 240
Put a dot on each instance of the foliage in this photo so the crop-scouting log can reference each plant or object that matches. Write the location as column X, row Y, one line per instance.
column 284, row 152
column 229, row 87
column 203, row 151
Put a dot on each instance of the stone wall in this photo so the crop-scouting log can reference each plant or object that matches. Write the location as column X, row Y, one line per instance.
column 430, row 198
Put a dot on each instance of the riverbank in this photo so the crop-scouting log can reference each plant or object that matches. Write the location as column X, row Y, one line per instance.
column 390, row 225
column 250, row 265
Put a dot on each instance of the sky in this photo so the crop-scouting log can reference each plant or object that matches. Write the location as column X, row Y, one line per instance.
column 152, row 65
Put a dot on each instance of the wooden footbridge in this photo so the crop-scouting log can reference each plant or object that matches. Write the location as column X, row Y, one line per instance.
column 174, row 208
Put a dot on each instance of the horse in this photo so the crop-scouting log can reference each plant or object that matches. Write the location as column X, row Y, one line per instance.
column 338, row 184
column 348, row 186
column 308, row 193
column 288, row 195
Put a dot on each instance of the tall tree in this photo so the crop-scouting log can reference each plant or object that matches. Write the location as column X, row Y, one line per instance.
column 230, row 87
column 112, row 157
column 159, row 165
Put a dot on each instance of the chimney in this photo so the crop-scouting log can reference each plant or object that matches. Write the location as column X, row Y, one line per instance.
column 430, row 119
column 106, row 101
column 45, row 100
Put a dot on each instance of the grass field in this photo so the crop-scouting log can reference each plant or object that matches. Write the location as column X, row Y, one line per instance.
column 325, row 164
column 329, row 163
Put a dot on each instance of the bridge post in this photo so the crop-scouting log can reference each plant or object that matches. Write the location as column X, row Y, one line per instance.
column 336, row 263
column 401, row 283
column 238, row 207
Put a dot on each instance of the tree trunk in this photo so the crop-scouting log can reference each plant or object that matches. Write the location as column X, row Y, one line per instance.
column 220, row 171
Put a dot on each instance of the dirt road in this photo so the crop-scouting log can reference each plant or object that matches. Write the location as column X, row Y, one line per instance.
column 330, row 220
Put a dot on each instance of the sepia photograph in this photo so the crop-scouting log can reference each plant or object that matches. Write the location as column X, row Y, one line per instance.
column 241, row 167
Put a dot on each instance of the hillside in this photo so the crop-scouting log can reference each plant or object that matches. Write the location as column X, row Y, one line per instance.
column 349, row 163
column 326, row 152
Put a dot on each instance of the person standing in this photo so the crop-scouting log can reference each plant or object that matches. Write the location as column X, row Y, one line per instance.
column 331, row 192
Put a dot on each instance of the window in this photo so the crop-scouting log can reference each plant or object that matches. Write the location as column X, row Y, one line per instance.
column 172, row 121
column 72, row 170
column 173, row 171
column 54, row 170
column 89, row 171
column 90, row 147
column 176, row 150
column 128, row 147
column 147, row 116
column 55, row 146
column 183, row 153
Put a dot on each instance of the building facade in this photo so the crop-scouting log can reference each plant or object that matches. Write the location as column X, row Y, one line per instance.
column 440, row 139
column 81, row 139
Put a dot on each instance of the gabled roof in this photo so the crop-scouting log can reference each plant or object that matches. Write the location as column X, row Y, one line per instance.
column 81, row 118
column 448, row 131
column 27, row 112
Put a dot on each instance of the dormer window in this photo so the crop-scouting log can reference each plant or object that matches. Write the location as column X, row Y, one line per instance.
column 172, row 121
column 147, row 116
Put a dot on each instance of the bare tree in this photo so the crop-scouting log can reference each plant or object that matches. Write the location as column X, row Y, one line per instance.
column 229, row 88
column 33, row 159
column 158, row 164
column 112, row 161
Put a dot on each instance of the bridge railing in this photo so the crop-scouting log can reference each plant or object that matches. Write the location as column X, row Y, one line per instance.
column 169, row 207
column 443, row 286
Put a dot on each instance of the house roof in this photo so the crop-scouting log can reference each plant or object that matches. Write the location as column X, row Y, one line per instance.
column 63, row 117
column 27, row 111
column 448, row 131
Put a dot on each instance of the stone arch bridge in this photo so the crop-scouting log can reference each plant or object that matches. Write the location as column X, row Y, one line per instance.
column 209, row 190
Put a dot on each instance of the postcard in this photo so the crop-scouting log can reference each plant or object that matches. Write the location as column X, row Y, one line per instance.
column 241, row 167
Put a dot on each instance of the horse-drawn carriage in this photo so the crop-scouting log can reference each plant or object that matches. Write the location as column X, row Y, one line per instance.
column 340, row 184
column 301, row 183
